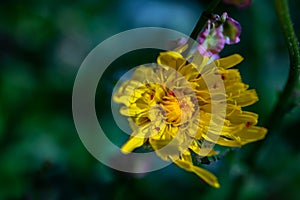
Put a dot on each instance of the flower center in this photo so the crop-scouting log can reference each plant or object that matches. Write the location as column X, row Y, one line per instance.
column 178, row 111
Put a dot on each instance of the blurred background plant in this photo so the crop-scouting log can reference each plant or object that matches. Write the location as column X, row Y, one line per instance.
column 42, row 46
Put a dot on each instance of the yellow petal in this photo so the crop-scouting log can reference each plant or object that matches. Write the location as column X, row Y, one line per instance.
column 200, row 62
column 189, row 72
column 134, row 111
column 224, row 140
column 185, row 162
column 181, row 49
column 230, row 76
column 229, row 61
column 251, row 134
column 171, row 151
column 228, row 143
column 239, row 138
column 232, row 128
column 206, row 176
column 134, row 142
column 244, row 117
column 143, row 73
column 201, row 151
column 129, row 92
column 235, row 88
column 171, row 59
column 245, row 98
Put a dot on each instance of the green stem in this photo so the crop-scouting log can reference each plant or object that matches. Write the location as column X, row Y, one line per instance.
column 285, row 99
column 201, row 23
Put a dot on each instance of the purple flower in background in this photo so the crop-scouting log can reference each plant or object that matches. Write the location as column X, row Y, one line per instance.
column 231, row 29
column 211, row 40
column 218, row 32
column 239, row 3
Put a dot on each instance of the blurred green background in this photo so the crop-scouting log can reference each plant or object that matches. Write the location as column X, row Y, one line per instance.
column 41, row 156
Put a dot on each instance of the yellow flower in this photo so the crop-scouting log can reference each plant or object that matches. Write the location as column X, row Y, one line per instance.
column 171, row 105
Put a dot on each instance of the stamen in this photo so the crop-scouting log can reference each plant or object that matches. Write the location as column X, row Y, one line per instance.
column 248, row 124
column 151, row 96
column 172, row 93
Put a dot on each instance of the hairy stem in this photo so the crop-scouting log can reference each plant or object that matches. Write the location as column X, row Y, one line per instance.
column 285, row 99
column 284, row 102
